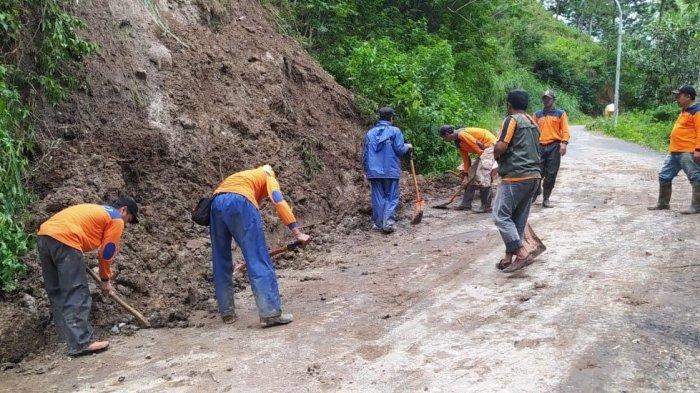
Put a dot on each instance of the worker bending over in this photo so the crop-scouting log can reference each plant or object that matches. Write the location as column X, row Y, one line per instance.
column 235, row 214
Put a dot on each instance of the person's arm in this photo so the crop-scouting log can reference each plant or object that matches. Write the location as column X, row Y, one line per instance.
column 696, row 153
column 466, row 162
column 399, row 145
column 564, row 133
column 108, row 250
column 505, row 136
column 284, row 211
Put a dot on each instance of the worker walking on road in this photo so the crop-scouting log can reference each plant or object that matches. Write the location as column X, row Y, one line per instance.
column 471, row 140
column 383, row 148
column 235, row 214
column 62, row 239
column 554, row 139
column 517, row 154
column 684, row 152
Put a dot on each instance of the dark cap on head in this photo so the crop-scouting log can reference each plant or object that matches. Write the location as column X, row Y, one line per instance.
column 386, row 113
column 686, row 89
column 131, row 207
column 446, row 129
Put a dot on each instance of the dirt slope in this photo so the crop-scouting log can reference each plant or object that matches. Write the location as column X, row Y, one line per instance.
column 164, row 117
column 610, row 306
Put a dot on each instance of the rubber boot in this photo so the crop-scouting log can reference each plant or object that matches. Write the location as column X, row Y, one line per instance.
column 467, row 198
column 545, row 199
column 485, row 196
column 694, row 201
column 664, row 197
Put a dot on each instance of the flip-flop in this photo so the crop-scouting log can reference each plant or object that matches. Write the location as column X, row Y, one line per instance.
column 500, row 265
column 88, row 351
column 519, row 264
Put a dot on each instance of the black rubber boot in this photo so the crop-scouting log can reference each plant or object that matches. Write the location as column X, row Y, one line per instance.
column 485, row 196
column 545, row 198
column 694, row 201
column 664, row 202
column 467, row 198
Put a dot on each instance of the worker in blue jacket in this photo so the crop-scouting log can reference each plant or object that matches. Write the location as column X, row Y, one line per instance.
column 383, row 148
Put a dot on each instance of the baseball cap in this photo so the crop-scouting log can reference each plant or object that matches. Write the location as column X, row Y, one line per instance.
column 686, row 89
column 131, row 207
column 550, row 93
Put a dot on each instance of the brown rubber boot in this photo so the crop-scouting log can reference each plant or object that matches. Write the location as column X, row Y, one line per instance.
column 664, row 197
column 695, row 201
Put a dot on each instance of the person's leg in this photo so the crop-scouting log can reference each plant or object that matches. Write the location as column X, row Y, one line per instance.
column 467, row 198
column 550, row 171
column 377, row 195
column 53, row 290
column 669, row 170
column 503, row 217
column 75, row 294
column 392, row 194
column 692, row 170
column 525, row 192
column 544, row 162
column 221, row 255
column 247, row 228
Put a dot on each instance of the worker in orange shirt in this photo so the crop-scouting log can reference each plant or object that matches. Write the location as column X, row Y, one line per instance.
column 684, row 151
column 554, row 139
column 235, row 214
column 61, row 242
column 472, row 140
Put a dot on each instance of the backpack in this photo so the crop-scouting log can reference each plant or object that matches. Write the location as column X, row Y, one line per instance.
column 202, row 211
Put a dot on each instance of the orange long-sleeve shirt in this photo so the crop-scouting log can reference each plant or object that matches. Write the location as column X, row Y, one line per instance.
column 466, row 142
column 86, row 227
column 685, row 136
column 256, row 185
column 554, row 125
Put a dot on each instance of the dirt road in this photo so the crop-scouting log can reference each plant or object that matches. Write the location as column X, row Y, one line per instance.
column 610, row 306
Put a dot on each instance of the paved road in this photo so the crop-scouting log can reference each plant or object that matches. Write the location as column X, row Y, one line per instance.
column 610, row 306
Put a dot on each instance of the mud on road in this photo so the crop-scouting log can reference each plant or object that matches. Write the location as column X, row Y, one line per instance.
column 610, row 306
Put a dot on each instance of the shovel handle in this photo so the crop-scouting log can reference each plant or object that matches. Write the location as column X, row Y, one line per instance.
column 288, row 247
column 415, row 178
column 139, row 317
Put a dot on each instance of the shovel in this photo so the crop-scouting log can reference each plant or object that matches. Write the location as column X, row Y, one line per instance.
column 420, row 203
column 139, row 317
column 240, row 267
column 459, row 190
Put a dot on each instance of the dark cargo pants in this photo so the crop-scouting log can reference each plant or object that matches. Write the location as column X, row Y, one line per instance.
column 66, row 284
column 551, row 160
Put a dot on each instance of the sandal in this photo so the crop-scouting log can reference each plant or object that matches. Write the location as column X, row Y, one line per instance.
column 502, row 264
column 93, row 347
column 519, row 264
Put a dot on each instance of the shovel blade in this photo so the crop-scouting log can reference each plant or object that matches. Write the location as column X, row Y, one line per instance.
column 418, row 215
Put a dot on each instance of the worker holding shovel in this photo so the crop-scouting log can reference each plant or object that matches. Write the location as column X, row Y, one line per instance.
column 235, row 214
column 477, row 141
column 61, row 242
column 383, row 148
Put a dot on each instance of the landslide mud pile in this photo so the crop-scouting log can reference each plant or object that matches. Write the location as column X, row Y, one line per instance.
column 178, row 97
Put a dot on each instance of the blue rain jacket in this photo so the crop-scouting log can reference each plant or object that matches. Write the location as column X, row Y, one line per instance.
column 383, row 148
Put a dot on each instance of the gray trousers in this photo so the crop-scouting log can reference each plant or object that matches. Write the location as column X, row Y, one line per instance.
column 66, row 284
column 511, row 210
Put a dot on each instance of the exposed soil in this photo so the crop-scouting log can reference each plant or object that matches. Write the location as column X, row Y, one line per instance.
column 164, row 119
column 610, row 306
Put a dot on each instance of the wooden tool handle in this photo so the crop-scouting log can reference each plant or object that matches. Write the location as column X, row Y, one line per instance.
column 139, row 317
column 415, row 179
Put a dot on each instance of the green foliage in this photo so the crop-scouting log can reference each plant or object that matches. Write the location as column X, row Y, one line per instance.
column 440, row 62
column 640, row 127
column 35, row 53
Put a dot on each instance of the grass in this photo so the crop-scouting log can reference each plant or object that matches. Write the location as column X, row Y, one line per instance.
column 642, row 128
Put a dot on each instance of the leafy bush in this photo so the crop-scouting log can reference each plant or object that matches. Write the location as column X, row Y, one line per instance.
column 638, row 127
column 53, row 43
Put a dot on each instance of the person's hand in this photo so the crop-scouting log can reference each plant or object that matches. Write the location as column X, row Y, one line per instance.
column 696, row 156
column 562, row 148
column 462, row 175
column 409, row 146
column 106, row 287
column 481, row 145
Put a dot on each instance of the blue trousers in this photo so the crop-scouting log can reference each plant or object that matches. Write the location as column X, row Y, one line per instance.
column 511, row 210
column 673, row 164
column 385, row 199
column 233, row 215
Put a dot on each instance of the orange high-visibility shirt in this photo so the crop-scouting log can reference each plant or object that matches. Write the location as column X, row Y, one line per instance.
column 466, row 142
column 685, row 136
column 256, row 185
column 554, row 125
column 86, row 227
